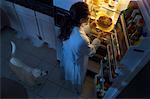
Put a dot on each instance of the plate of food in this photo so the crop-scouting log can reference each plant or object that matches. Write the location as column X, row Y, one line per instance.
column 104, row 22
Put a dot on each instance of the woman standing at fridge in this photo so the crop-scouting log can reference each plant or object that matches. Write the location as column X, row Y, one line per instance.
column 76, row 45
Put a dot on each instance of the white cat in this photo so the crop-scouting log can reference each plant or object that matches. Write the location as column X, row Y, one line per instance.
column 25, row 73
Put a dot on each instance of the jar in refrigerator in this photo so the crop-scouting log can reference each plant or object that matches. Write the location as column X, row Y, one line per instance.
column 111, row 3
column 106, row 1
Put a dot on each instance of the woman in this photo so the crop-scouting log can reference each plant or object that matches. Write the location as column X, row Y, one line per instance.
column 76, row 44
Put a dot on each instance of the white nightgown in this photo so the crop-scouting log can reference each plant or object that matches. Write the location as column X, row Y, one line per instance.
column 75, row 53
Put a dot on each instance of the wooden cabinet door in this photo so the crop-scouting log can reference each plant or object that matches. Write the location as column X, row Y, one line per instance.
column 12, row 15
column 47, row 29
column 28, row 21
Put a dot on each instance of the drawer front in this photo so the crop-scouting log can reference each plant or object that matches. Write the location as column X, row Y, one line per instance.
column 24, row 10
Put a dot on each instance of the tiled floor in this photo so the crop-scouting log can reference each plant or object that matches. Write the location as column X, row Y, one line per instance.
column 54, row 86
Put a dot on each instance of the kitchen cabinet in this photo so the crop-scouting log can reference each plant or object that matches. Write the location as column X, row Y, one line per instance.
column 46, row 29
column 29, row 25
column 15, row 23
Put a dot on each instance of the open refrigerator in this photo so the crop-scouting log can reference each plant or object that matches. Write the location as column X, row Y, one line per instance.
column 128, row 31
column 115, row 44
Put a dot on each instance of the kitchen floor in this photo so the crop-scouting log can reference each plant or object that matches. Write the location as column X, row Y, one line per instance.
column 53, row 85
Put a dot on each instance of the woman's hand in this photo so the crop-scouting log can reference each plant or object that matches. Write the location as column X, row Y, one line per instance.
column 93, row 25
column 99, row 36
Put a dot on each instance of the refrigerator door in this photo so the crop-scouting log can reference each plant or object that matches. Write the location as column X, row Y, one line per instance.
column 144, row 6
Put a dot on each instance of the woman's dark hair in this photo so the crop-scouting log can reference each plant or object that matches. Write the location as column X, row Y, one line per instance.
column 77, row 11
